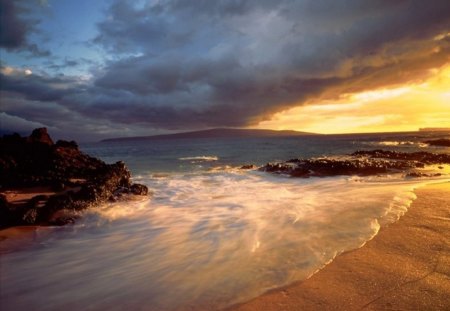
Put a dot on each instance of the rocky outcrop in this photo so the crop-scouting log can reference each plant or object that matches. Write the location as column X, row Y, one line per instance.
column 438, row 142
column 421, row 157
column 40, row 135
column 361, row 163
column 72, row 180
column 247, row 167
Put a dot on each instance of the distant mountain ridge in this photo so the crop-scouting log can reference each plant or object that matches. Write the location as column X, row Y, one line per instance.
column 216, row 133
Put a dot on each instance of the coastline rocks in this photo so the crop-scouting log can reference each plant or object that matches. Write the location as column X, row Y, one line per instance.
column 139, row 189
column 422, row 157
column 361, row 163
column 247, row 167
column 326, row 167
column 418, row 175
column 40, row 135
column 438, row 142
column 69, row 180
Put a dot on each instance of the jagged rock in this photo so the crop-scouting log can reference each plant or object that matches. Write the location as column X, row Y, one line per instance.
column 326, row 167
column 424, row 157
column 418, row 174
column 139, row 189
column 40, row 135
column 66, row 144
column 362, row 163
column 438, row 142
column 248, row 167
column 77, row 180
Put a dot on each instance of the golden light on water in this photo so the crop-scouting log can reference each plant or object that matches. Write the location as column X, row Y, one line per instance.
column 402, row 108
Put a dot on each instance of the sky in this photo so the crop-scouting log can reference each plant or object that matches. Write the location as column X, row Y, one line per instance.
column 89, row 70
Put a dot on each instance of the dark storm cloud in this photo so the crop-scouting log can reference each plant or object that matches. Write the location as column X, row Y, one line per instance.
column 208, row 63
column 181, row 64
column 39, row 87
column 206, row 93
column 15, row 28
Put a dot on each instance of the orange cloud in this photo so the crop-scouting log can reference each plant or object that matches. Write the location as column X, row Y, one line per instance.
column 402, row 108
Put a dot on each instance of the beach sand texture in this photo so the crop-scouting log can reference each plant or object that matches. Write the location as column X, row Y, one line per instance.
column 405, row 267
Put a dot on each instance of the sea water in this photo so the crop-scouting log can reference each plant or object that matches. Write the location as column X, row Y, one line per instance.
column 210, row 234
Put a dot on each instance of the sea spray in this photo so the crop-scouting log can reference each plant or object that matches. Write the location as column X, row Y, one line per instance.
column 212, row 237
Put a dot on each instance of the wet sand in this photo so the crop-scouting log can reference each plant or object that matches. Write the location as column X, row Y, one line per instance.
column 405, row 267
column 21, row 196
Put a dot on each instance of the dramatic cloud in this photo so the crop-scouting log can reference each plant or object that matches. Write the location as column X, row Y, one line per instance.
column 234, row 62
column 15, row 28
column 179, row 64
column 38, row 87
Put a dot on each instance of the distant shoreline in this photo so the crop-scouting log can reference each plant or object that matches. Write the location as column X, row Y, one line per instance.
column 254, row 133
column 217, row 133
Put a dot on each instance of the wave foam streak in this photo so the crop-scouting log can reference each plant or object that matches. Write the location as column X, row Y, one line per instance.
column 203, row 239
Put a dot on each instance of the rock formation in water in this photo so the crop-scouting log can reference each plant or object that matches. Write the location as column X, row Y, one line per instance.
column 68, row 180
column 361, row 163
column 438, row 142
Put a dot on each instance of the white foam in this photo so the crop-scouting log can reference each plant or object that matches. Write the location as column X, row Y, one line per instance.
column 213, row 238
column 398, row 143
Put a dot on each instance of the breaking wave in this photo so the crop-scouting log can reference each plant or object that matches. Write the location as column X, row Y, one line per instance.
column 204, row 239
column 199, row 158
column 394, row 143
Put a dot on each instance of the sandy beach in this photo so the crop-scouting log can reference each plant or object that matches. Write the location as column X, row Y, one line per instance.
column 405, row 267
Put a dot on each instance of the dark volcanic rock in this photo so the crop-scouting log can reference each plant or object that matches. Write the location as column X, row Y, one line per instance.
column 423, row 157
column 362, row 163
column 247, row 167
column 438, row 142
column 36, row 161
column 327, row 167
column 40, row 135
column 77, row 180
column 139, row 189
column 418, row 174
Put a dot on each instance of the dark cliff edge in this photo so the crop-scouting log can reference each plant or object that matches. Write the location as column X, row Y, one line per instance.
column 47, row 183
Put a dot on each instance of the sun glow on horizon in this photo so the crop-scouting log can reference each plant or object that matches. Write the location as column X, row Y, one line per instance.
column 404, row 108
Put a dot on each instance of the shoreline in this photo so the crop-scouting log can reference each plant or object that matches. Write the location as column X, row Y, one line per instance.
column 400, row 272
column 406, row 266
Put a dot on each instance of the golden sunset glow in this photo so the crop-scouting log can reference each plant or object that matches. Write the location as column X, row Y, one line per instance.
column 403, row 108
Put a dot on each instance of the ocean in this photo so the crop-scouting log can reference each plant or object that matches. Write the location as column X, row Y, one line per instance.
column 210, row 234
